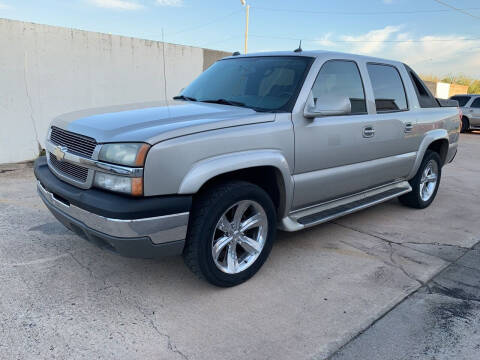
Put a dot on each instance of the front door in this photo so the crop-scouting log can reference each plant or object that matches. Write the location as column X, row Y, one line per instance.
column 475, row 112
column 337, row 156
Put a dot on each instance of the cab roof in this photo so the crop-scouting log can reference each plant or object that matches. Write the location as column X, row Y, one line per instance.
column 316, row 54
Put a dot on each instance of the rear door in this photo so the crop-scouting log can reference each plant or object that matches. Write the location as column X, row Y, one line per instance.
column 396, row 120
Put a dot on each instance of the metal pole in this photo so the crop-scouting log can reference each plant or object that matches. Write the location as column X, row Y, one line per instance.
column 247, row 9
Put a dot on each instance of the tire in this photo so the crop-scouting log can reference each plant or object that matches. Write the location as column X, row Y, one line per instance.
column 465, row 126
column 233, row 264
column 416, row 198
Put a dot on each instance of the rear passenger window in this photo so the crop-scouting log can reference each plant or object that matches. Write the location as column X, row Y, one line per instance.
column 387, row 88
column 476, row 103
column 341, row 78
column 425, row 97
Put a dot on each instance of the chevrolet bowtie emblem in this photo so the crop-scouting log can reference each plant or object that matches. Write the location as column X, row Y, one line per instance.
column 59, row 152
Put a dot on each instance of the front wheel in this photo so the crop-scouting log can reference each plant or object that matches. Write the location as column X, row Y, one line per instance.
column 231, row 233
column 425, row 183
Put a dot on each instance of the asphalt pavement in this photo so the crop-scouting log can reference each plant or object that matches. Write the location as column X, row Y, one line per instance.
column 386, row 283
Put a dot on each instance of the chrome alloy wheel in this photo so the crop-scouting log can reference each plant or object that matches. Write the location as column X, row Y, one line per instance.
column 239, row 236
column 429, row 180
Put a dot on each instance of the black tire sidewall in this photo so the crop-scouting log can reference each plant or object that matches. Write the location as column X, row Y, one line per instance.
column 242, row 191
column 465, row 125
column 430, row 155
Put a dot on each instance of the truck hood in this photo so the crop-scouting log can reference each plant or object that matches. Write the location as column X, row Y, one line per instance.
column 155, row 122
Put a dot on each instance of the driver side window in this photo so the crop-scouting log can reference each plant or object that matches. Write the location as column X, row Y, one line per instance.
column 341, row 79
column 476, row 103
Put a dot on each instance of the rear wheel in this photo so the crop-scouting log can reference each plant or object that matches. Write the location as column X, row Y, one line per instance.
column 465, row 126
column 231, row 233
column 425, row 183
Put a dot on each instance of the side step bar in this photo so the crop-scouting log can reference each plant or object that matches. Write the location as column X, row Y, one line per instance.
column 331, row 210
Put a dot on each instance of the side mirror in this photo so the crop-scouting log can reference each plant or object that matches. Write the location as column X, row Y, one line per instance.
column 327, row 106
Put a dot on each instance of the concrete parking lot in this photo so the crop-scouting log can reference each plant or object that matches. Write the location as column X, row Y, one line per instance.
column 328, row 291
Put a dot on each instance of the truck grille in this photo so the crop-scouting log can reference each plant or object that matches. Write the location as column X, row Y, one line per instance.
column 76, row 172
column 75, row 143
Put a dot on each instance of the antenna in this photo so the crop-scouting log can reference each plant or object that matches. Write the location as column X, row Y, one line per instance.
column 299, row 49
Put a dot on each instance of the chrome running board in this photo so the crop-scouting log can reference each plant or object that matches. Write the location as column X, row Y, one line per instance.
column 317, row 214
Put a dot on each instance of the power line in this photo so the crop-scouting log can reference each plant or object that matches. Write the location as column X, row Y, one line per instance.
column 221, row 40
column 364, row 41
column 452, row 8
column 457, row 9
column 367, row 12
column 208, row 23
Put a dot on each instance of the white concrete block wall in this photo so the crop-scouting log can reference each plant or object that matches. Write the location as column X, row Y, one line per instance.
column 46, row 71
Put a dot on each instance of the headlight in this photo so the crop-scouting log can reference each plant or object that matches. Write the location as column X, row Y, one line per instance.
column 128, row 154
column 127, row 185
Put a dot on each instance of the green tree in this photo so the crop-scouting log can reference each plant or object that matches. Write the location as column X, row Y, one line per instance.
column 473, row 84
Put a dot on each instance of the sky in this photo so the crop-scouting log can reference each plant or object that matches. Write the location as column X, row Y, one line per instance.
column 431, row 37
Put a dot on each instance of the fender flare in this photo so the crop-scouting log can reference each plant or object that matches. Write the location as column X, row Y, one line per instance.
column 429, row 138
column 206, row 169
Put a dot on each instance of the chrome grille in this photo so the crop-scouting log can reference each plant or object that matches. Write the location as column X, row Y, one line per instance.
column 76, row 172
column 75, row 143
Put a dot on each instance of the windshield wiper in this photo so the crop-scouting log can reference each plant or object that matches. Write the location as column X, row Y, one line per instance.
column 224, row 102
column 183, row 97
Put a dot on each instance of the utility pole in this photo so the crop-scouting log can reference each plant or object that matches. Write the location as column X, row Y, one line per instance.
column 247, row 12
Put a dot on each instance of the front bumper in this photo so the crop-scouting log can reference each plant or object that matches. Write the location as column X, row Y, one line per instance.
column 134, row 227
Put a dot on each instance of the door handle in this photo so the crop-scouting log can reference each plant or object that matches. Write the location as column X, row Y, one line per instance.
column 408, row 127
column 368, row 131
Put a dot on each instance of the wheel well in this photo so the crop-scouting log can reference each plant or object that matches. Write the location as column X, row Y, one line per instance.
column 268, row 178
column 441, row 148
column 465, row 118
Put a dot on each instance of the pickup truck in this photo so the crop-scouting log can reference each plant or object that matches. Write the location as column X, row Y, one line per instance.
column 258, row 142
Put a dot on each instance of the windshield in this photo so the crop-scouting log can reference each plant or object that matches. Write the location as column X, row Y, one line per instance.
column 462, row 100
column 269, row 83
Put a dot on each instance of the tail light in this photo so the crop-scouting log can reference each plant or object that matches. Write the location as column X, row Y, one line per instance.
column 460, row 115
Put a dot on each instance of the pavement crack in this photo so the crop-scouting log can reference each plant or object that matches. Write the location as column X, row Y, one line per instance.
column 172, row 347
column 434, row 243
column 402, row 269
column 392, row 261
column 82, row 265
column 366, row 233
column 406, row 243
column 403, row 242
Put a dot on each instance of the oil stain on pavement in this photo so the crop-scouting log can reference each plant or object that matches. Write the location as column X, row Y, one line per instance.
column 438, row 322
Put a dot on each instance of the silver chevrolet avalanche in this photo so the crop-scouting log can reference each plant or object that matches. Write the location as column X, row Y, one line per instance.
column 258, row 142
